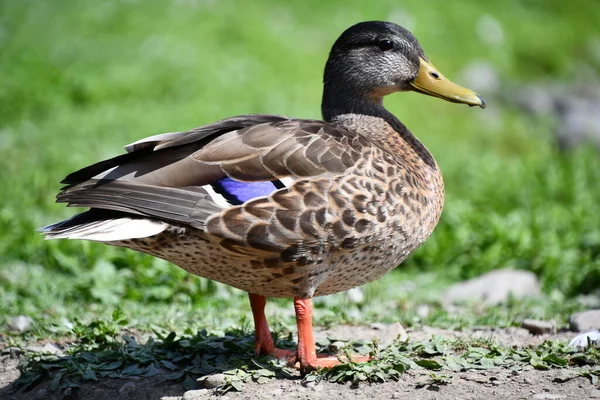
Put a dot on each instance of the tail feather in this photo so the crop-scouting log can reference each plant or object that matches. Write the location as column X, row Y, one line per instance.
column 103, row 226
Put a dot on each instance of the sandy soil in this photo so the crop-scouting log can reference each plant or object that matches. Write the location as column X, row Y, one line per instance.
column 496, row 384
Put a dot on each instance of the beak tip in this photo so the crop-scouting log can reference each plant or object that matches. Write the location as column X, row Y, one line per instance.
column 483, row 103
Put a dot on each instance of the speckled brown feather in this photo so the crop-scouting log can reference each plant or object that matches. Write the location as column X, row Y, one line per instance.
column 322, row 235
column 366, row 197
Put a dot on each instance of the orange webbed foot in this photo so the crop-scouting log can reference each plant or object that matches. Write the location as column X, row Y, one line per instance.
column 328, row 361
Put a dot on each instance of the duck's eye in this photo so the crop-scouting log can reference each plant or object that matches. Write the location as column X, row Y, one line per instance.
column 385, row 45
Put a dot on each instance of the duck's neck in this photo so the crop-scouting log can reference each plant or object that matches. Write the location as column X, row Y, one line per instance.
column 335, row 105
column 346, row 102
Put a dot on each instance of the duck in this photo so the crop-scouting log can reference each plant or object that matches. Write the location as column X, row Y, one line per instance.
column 278, row 206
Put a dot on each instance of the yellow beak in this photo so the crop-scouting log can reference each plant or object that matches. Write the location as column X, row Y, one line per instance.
column 430, row 81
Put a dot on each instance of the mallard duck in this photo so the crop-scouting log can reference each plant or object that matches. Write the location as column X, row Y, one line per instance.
column 283, row 207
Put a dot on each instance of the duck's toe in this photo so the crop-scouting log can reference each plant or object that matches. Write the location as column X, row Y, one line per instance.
column 326, row 361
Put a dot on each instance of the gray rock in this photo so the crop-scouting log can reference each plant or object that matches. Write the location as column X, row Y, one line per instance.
column 309, row 384
column 535, row 100
column 13, row 352
column 20, row 323
column 585, row 321
column 196, row 394
column 213, row 381
column 579, row 120
column 47, row 348
column 547, row 396
column 423, row 310
column 338, row 345
column 387, row 334
column 537, row 327
column 393, row 332
column 356, row 295
column 318, row 388
column 595, row 394
column 493, row 288
column 127, row 390
column 574, row 107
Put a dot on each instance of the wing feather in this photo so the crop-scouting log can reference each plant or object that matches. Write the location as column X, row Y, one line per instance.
column 166, row 176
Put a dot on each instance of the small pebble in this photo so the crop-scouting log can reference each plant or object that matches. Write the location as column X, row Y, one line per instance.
column 527, row 381
column 433, row 388
column 547, row 396
column 127, row 390
column 20, row 323
column 493, row 288
column 585, row 321
column 195, row 394
column 213, row 381
column 355, row 295
column 47, row 348
column 128, row 387
column 317, row 388
column 338, row 344
column 309, row 384
column 595, row 394
column 538, row 327
column 394, row 332
column 14, row 352
column 423, row 310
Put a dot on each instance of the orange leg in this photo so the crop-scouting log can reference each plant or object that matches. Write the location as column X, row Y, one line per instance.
column 307, row 352
column 264, row 340
column 306, row 356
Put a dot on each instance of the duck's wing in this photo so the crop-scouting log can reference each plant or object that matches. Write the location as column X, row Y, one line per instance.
column 186, row 177
column 138, row 152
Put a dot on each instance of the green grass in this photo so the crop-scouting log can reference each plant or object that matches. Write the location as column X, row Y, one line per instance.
column 80, row 80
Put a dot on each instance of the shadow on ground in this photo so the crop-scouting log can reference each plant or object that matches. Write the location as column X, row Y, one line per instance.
column 163, row 366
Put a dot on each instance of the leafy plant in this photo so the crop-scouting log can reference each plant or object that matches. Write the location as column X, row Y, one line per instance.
column 190, row 358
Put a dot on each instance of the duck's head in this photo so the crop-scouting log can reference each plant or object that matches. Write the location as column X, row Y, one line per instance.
column 373, row 59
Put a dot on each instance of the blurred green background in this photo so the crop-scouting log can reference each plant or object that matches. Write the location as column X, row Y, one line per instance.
column 78, row 80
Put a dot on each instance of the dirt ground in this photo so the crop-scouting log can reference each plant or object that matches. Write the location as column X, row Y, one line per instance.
column 496, row 384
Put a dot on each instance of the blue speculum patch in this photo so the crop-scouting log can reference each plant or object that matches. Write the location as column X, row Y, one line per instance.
column 236, row 192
